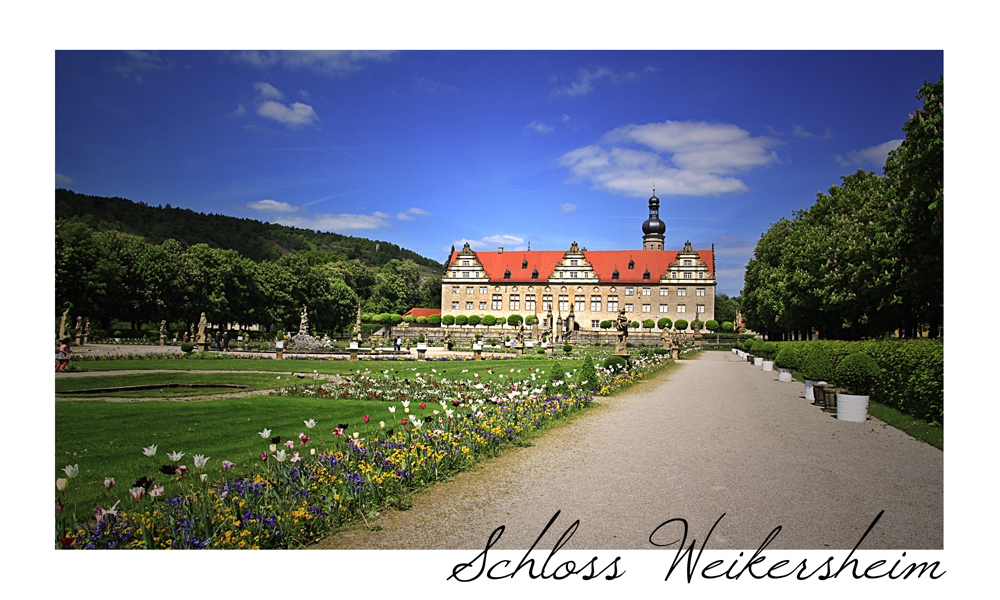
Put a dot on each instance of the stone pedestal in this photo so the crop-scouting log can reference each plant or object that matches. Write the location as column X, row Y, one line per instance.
column 477, row 355
column 421, row 352
column 519, row 350
column 676, row 353
column 354, row 354
column 163, row 340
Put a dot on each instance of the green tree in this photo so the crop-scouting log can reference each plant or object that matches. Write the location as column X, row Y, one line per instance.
column 664, row 323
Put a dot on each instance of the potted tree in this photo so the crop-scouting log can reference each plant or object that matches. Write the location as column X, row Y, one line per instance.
column 757, row 349
column 817, row 369
column 858, row 373
column 786, row 361
column 768, row 349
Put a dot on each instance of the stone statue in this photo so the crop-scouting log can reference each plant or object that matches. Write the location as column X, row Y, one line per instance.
column 665, row 338
column 201, row 328
column 62, row 325
column 304, row 321
column 79, row 326
column 356, row 330
column 86, row 328
column 163, row 328
column 519, row 340
column 621, row 323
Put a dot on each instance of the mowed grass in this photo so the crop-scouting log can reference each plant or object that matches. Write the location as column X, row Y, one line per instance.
column 106, row 438
column 257, row 381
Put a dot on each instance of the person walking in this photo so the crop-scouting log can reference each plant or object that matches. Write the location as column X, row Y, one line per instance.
column 225, row 341
column 218, row 340
column 63, row 356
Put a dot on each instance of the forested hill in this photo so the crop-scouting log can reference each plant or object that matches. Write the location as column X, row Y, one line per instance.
column 253, row 239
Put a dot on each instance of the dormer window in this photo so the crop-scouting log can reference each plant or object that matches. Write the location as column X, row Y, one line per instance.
column 615, row 274
column 524, row 264
column 506, row 274
column 646, row 274
column 631, row 263
column 534, row 274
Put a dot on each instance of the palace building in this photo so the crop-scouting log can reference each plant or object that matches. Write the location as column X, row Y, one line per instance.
column 584, row 287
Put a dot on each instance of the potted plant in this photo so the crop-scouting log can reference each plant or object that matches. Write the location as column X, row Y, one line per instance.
column 786, row 361
column 858, row 373
column 757, row 349
column 816, row 368
column 769, row 349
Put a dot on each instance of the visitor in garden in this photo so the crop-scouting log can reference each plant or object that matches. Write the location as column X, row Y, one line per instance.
column 218, row 339
column 63, row 356
column 225, row 341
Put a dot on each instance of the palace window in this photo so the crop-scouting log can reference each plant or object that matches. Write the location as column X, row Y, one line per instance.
column 573, row 274
column 546, row 302
column 497, row 302
column 664, row 308
column 534, row 274
column 629, row 291
column 615, row 274
column 482, row 290
column 687, row 275
column 646, row 274
column 594, row 324
column 482, row 306
column 645, row 308
column 454, row 305
column 465, row 263
column 580, row 304
column 701, row 274
column 700, row 308
column 454, row 289
column 646, row 291
column 524, row 264
column 631, row 263
column 506, row 274
column 529, row 302
column 595, row 304
column 572, row 263
column 469, row 289
column 699, row 292
column 612, row 303
column 680, row 308
column 687, row 263
column 664, row 291
column 563, row 302
column 682, row 292
column 515, row 302
column 468, row 306
column 465, row 274
column 628, row 308
column 673, row 274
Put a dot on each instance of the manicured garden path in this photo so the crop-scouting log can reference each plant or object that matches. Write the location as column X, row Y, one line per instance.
column 712, row 436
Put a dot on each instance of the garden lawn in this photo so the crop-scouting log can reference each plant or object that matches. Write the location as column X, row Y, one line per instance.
column 255, row 380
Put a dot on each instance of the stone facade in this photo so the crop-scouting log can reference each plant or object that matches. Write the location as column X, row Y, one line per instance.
column 591, row 285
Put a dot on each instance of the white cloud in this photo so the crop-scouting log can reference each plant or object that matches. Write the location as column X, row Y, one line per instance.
column 434, row 87
column 266, row 90
column 492, row 242
column 293, row 116
column 800, row 131
column 539, row 127
column 271, row 206
column 683, row 158
column 324, row 62
column 240, row 110
column 408, row 215
column 869, row 157
column 566, row 208
column 139, row 61
column 734, row 249
column 63, row 179
column 584, row 82
column 335, row 222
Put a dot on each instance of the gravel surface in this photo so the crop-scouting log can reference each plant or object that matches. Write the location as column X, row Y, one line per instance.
column 713, row 436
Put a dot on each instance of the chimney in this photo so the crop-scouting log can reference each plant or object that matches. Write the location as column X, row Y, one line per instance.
column 500, row 250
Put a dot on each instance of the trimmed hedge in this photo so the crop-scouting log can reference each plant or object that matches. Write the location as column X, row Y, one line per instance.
column 911, row 371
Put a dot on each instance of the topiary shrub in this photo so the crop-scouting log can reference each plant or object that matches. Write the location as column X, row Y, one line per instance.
column 421, row 320
column 529, row 320
column 605, row 324
column 817, row 365
column 475, row 320
column 664, row 323
column 434, row 320
column 186, row 348
column 279, row 335
column 786, row 358
column 712, row 325
column 768, row 350
column 634, row 325
column 409, row 319
column 649, row 324
column 447, row 320
column 858, row 373
column 489, row 320
column 757, row 347
column 588, row 375
column 514, row 320
column 556, row 374
column 420, row 337
column 461, row 320
column 567, row 348
column 680, row 324
column 726, row 327
column 746, row 345
column 616, row 362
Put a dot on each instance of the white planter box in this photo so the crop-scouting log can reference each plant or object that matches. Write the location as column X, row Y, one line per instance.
column 422, row 346
column 768, row 365
column 279, row 344
column 784, row 375
column 531, row 344
column 353, row 346
column 477, row 346
column 852, row 408
column 758, row 361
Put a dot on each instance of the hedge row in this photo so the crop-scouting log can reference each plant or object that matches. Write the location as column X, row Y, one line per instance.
column 911, row 377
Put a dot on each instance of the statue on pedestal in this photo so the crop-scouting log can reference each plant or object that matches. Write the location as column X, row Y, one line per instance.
column 304, row 321
column 62, row 325
column 621, row 324
column 201, row 328
column 356, row 330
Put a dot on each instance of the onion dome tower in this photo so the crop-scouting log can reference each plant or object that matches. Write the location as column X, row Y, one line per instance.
column 653, row 228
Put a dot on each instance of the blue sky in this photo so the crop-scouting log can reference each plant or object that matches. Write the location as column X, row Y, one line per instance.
column 499, row 148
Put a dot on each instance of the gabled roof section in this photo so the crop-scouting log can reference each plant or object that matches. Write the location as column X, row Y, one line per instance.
column 497, row 264
column 657, row 261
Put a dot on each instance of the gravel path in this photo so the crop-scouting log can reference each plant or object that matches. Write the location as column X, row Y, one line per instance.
column 712, row 436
